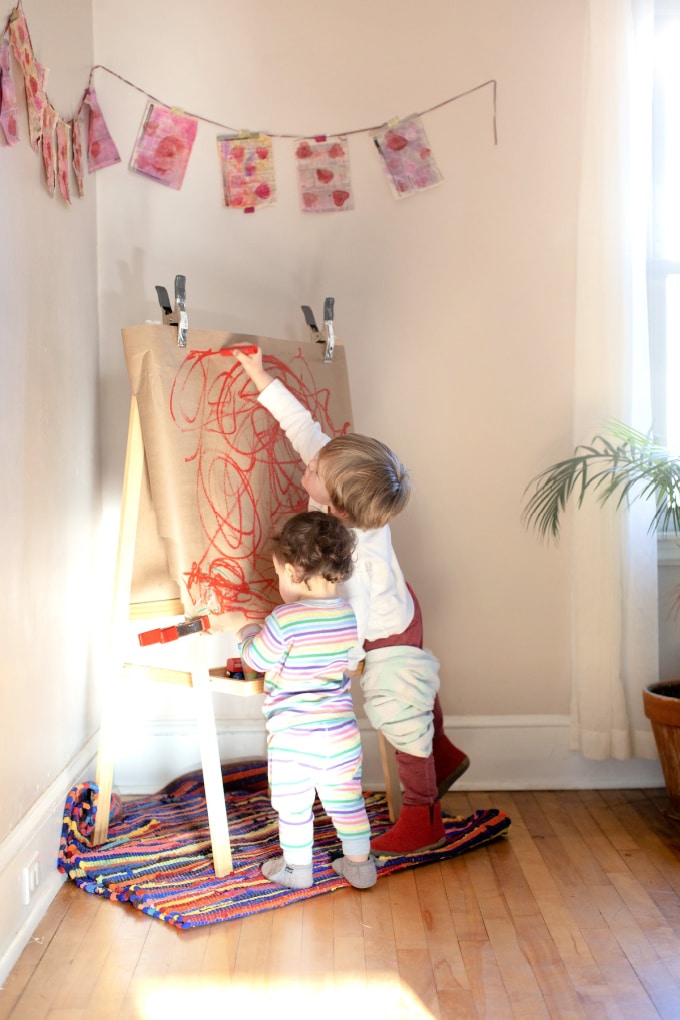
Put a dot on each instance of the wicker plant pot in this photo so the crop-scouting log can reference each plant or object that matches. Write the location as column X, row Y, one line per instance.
column 662, row 708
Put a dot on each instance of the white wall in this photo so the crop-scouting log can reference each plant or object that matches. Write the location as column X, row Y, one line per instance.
column 456, row 307
column 49, row 474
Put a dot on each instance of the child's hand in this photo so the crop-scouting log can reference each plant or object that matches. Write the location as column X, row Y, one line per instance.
column 247, row 631
column 252, row 365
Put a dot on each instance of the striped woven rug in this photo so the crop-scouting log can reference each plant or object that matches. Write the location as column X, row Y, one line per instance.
column 158, row 854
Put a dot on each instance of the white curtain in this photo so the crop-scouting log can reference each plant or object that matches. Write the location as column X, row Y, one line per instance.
column 614, row 607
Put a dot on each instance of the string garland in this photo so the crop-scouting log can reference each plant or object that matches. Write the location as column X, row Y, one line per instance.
column 167, row 135
column 282, row 134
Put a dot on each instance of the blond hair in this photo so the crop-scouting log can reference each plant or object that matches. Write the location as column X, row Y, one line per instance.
column 364, row 479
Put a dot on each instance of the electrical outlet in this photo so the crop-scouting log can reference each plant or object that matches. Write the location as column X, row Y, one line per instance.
column 30, row 878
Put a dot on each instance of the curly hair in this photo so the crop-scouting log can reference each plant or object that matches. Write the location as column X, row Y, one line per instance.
column 364, row 479
column 317, row 545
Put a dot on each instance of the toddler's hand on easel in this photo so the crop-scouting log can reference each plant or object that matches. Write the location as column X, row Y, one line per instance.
column 252, row 365
column 247, row 631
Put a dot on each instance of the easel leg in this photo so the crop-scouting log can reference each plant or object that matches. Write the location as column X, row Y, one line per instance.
column 104, row 780
column 210, row 760
column 391, row 774
column 132, row 484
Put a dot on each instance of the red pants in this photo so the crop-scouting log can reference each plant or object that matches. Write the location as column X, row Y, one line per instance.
column 417, row 775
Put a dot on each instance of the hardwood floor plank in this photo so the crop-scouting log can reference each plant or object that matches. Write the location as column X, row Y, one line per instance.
column 625, row 987
column 409, row 927
column 62, row 952
column 520, row 982
column 486, row 983
column 27, row 963
column 220, row 951
column 445, row 956
column 376, row 913
column 462, row 901
column 417, row 978
column 347, row 912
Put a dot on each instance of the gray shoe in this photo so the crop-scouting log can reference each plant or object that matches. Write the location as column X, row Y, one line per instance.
column 293, row 876
column 360, row 874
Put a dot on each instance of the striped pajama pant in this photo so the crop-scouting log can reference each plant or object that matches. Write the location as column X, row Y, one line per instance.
column 326, row 760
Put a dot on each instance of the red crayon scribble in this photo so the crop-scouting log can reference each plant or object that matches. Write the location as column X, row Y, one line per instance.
column 245, row 465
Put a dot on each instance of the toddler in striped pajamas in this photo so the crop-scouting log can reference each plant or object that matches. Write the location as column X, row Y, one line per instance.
column 313, row 739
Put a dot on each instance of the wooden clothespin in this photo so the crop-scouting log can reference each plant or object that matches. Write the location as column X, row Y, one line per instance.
column 176, row 316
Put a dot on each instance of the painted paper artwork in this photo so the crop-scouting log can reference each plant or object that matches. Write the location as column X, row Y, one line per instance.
column 222, row 475
column 406, row 157
column 35, row 75
column 9, row 110
column 163, row 145
column 101, row 148
column 48, row 150
column 247, row 163
column 77, row 155
column 63, row 166
column 323, row 175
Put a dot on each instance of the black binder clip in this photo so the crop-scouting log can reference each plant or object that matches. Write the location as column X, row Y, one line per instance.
column 176, row 316
column 328, row 336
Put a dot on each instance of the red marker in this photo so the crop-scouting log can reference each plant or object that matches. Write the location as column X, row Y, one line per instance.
column 246, row 349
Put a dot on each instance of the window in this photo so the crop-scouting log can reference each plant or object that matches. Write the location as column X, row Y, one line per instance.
column 664, row 242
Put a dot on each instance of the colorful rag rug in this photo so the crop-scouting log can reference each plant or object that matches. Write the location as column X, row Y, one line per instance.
column 158, row 853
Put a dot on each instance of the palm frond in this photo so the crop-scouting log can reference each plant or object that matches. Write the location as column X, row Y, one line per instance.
column 626, row 468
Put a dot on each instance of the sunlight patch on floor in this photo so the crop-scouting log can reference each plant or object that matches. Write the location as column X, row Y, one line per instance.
column 380, row 997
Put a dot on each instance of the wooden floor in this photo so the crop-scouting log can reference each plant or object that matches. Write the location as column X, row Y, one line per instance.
column 575, row 913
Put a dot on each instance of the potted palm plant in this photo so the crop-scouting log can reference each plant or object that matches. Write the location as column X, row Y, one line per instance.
column 624, row 465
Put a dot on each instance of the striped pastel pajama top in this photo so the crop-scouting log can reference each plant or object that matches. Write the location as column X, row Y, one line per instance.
column 303, row 651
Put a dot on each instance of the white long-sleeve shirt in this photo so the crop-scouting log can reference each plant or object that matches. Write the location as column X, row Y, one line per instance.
column 377, row 589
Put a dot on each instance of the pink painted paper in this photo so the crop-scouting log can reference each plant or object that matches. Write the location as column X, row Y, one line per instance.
column 247, row 164
column 323, row 175
column 49, row 152
column 9, row 110
column 164, row 145
column 406, row 157
column 101, row 148
column 63, row 163
column 77, row 155
column 35, row 75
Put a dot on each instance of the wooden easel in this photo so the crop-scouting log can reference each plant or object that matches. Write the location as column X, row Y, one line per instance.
column 203, row 680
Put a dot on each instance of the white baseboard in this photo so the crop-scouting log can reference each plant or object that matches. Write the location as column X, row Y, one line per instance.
column 506, row 753
column 38, row 833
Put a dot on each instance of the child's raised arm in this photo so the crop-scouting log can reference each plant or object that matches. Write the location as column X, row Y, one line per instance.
column 252, row 365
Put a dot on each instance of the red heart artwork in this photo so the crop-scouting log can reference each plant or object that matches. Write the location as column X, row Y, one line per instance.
column 237, row 152
column 336, row 151
column 325, row 176
column 424, row 153
column 309, row 199
column 263, row 190
column 262, row 152
column 340, row 197
column 395, row 142
column 304, row 150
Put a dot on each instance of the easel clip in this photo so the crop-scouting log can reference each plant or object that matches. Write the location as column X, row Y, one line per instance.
column 328, row 336
column 177, row 316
